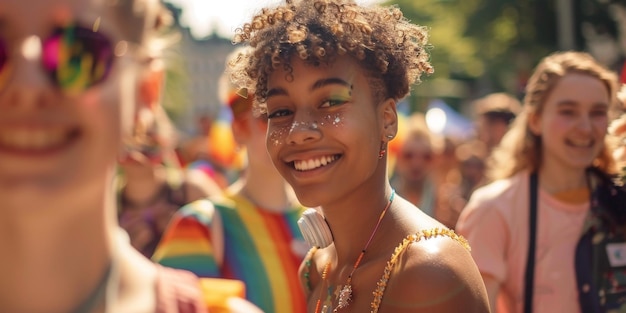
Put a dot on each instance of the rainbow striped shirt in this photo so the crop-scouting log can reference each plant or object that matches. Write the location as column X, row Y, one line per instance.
column 263, row 249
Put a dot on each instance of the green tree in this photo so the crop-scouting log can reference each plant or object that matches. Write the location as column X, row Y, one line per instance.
column 495, row 44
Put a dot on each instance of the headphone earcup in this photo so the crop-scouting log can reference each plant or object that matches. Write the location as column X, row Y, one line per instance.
column 314, row 229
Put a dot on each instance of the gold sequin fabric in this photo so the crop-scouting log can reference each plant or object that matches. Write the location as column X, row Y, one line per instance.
column 423, row 235
column 382, row 283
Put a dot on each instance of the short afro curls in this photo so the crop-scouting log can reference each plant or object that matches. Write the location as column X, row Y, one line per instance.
column 384, row 43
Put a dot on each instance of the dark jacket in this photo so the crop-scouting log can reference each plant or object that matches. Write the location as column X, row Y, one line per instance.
column 601, row 251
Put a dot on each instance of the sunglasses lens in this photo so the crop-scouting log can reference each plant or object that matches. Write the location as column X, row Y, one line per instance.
column 77, row 58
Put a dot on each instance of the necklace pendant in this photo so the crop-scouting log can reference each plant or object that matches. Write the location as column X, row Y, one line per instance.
column 345, row 296
column 327, row 309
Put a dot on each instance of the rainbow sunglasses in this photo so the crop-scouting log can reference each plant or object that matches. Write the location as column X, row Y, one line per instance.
column 74, row 58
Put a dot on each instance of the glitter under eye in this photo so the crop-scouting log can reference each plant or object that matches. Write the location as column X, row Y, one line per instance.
column 277, row 136
column 334, row 120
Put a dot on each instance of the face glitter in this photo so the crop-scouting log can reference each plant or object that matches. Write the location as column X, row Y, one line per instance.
column 277, row 136
column 334, row 120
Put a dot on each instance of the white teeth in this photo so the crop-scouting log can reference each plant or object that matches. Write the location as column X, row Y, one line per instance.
column 31, row 139
column 307, row 165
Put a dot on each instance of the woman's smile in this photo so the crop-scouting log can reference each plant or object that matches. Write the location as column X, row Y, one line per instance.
column 314, row 163
column 36, row 140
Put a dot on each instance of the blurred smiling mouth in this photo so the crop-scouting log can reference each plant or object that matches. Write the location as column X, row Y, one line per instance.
column 311, row 164
column 36, row 140
column 580, row 144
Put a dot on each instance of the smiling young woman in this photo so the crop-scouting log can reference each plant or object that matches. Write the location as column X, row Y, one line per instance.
column 541, row 229
column 328, row 75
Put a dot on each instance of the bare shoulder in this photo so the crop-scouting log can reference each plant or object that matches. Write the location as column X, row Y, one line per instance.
column 434, row 272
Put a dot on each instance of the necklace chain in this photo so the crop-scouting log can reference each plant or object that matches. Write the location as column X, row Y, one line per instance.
column 319, row 300
column 345, row 294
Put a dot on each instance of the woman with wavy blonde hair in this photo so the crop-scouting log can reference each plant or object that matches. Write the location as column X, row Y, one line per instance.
column 551, row 179
column 520, row 148
column 328, row 75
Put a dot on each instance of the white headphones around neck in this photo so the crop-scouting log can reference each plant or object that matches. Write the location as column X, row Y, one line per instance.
column 314, row 228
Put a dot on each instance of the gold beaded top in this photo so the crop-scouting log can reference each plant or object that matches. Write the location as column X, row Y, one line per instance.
column 382, row 283
column 423, row 235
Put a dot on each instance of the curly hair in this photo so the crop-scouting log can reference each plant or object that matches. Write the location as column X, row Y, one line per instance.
column 520, row 149
column 385, row 44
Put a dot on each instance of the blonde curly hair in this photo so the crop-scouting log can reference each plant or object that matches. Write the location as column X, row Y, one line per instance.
column 385, row 44
column 520, row 149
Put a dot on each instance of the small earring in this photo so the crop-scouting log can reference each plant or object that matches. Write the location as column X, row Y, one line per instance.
column 382, row 151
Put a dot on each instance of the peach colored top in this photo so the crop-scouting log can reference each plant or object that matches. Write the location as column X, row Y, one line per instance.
column 495, row 222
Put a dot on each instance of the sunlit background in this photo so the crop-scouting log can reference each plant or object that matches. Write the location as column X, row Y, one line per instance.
column 477, row 47
column 204, row 17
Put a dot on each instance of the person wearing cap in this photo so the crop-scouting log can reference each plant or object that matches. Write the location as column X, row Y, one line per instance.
column 495, row 112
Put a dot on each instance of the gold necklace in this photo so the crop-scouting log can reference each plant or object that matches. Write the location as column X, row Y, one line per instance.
column 345, row 295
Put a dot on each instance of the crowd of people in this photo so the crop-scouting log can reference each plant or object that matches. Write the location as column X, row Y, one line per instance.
column 339, row 204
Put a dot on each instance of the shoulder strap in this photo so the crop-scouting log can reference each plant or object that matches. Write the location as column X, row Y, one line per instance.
column 529, row 277
column 417, row 237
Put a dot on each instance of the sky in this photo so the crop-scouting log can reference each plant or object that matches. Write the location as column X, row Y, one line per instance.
column 223, row 16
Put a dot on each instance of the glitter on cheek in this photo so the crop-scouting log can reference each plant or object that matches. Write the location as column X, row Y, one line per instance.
column 324, row 119
column 334, row 120
column 277, row 136
column 337, row 120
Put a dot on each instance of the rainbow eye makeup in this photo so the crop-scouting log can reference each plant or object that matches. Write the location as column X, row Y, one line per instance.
column 338, row 97
column 75, row 58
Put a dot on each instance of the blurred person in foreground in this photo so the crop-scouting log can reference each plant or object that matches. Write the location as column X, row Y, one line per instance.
column 72, row 77
column 542, row 228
